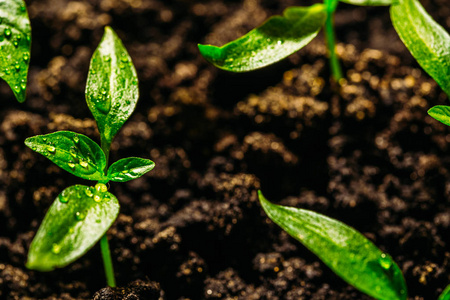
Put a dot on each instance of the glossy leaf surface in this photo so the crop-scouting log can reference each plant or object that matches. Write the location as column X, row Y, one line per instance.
column 427, row 41
column 440, row 113
column 277, row 38
column 112, row 86
column 129, row 168
column 369, row 2
column 77, row 219
column 75, row 153
column 445, row 294
column 15, row 43
column 346, row 251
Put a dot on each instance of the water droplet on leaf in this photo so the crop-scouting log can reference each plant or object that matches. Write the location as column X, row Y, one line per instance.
column 89, row 192
column 107, row 58
column 101, row 188
column 97, row 198
column 76, row 139
column 26, row 56
column 56, row 249
column 7, row 32
column 51, row 149
column 385, row 261
column 71, row 165
column 80, row 216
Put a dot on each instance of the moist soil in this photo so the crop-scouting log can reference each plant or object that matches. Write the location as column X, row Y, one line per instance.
column 366, row 154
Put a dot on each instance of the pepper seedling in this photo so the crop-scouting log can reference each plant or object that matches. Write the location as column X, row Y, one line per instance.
column 343, row 249
column 81, row 215
column 15, row 44
column 281, row 36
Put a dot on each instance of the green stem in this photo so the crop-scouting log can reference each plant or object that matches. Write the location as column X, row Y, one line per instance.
column 107, row 262
column 331, row 40
column 104, row 245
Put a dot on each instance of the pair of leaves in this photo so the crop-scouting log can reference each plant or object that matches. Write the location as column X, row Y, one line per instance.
column 81, row 156
column 15, row 44
column 75, row 222
column 346, row 251
column 427, row 41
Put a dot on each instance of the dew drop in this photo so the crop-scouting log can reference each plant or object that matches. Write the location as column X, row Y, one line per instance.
column 56, row 249
column 104, row 105
column 106, row 197
column 385, row 261
column 83, row 163
column 26, row 56
column 7, row 71
column 89, row 192
column 71, row 165
column 80, row 215
column 73, row 152
column 101, row 188
column 16, row 43
column 107, row 58
column 17, row 88
column 280, row 42
column 63, row 199
column 7, row 32
column 17, row 66
column 97, row 198
column 44, row 140
column 76, row 139
column 23, row 85
column 51, row 149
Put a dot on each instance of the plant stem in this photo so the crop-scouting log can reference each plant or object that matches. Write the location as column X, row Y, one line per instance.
column 107, row 262
column 331, row 40
column 104, row 245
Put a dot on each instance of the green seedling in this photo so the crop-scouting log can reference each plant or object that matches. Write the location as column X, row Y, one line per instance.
column 15, row 44
column 343, row 249
column 80, row 216
column 281, row 36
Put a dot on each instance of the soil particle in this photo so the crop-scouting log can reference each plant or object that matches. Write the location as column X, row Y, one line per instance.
column 136, row 290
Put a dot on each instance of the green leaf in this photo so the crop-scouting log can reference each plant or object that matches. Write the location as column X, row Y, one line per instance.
column 129, row 168
column 346, row 251
column 15, row 43
column 77, row 219
column 75, row 153
column 440, row 113
column 369, row 2
column 277, row 38
column 112, row 86
column 445, row 294
column 427, row 41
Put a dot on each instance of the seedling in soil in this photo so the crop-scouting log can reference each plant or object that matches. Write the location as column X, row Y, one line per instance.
column 15, row 43
column 81, row 215
column 343, row 249
column 281, row 36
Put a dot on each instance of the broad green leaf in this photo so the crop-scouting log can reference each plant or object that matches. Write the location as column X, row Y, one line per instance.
column 77, row 219
column 440, row 113
column 15, row 43
column 346, row 251
column 427, row 41
column 129, row 168
column 277, row 38
column 112, row 86
column 445, row 294
column 369, row 2
column 75, row 153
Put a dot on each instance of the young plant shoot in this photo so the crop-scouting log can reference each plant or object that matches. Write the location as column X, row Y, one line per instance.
column 15, row 44
column 81, row 215
column 281, row 36
column 343, row 249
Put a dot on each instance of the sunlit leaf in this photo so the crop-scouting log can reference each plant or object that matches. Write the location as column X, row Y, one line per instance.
column 112, row 86
column 277, row 38
column 15, row 43
column 129, row 168
column 440, row 113
column 427, row 41
column 75, row 153
column 77, row 219
column 346, row 251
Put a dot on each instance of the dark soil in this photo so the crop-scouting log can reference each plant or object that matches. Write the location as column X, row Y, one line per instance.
column 368, row 155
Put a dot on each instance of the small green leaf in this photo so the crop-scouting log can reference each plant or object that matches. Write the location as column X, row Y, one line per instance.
column 445, row 294
column 369, row 2
column 15, row 43
column 346, row 251
column 75, row 153
column 427, row 41
column 440, row 113
column 77, row 219
column 129, row 168
column 277, row 38
column 112, row 86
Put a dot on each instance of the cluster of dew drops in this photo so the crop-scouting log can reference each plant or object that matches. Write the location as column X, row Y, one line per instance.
column 20, row 60
column 98, row 193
